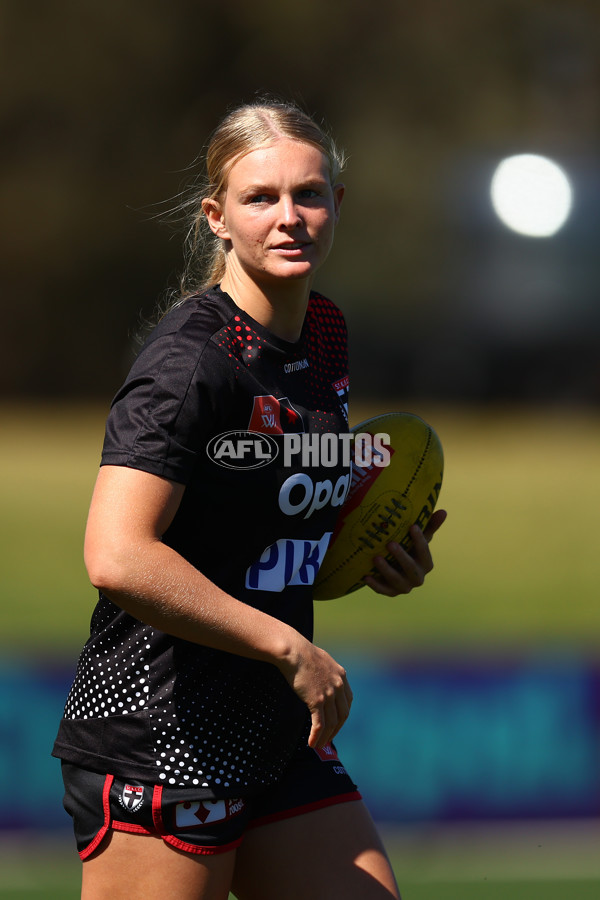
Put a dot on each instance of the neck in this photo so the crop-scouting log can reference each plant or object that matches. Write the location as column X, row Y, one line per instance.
column 281, row 307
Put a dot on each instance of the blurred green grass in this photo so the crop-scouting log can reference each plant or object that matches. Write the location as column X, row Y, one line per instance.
column 516, row 562
column 429, row 866
column 452, row 890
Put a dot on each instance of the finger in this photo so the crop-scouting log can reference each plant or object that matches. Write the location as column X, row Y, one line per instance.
column 335, row 711
column 348, row 693
column 337, row 715
column 327, row 731
column 316, row 730
column 420, row 553
column 325, row 721
column 406, row 571
column 436, row 521
column 412, row 566
column 343, row 711
column 380, row 587
column 391, row 580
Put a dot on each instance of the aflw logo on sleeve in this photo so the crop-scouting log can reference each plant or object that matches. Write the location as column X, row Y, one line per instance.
column 273, row 416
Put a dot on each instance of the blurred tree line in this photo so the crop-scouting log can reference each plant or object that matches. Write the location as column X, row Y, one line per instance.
column 106, row 104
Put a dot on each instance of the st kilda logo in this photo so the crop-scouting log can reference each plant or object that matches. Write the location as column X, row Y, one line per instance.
column 242, row 450
column 131, row 797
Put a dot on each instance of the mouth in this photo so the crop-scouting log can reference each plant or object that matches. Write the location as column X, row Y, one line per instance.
column 291, row 247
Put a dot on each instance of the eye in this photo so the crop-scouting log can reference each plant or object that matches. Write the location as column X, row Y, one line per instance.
column 259, row 198
column 308, row 194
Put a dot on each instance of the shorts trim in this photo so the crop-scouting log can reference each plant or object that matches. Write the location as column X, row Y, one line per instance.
column 106, row 808
column 177, row 842
column 156, row 810
column 306, row 808
column 198, row 849
column 129, row 828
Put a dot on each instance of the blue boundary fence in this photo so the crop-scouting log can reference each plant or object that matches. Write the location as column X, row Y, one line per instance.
column 427, row 740
column 476, row 740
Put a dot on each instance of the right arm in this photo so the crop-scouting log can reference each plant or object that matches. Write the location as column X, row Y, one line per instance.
column 127, row 560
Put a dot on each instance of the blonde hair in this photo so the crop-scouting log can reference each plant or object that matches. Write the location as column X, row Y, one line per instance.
column 244, row 129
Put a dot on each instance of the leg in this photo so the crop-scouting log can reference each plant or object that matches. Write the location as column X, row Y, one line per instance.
column 143, row 867
column 330, row 854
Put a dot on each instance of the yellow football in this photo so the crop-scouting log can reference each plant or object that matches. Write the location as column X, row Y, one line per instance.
column 397, row 474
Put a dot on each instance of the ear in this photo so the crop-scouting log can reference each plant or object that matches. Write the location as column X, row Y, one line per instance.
column 215, row 218
column 338, row 195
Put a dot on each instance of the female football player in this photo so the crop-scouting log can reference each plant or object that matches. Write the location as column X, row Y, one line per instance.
column 196, row 740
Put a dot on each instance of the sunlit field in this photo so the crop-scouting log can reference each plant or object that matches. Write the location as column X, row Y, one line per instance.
column 516, row 560
column 495, row 863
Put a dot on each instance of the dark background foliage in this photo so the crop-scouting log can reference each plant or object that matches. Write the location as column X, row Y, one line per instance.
column 105, row 105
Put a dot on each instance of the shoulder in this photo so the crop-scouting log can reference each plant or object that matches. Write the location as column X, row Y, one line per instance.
column 179, row 363
column 319, row 303
column 325, row 318
column 173, row 394
column 322, row 309
column 183, row 336
column 197, row 316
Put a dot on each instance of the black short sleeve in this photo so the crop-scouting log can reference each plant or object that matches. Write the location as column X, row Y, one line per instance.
column 164, row 413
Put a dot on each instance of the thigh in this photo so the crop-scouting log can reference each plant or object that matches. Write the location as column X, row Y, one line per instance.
column 333, row 853
column 143, row 867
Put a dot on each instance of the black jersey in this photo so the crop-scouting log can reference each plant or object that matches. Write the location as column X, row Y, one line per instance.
column 216, row 402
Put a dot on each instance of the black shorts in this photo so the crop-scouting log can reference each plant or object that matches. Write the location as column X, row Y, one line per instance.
column 185, row 819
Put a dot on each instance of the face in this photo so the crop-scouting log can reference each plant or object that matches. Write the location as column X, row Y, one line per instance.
column 279, row 212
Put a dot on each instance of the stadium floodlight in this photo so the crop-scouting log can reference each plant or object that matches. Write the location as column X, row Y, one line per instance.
column 531, row 195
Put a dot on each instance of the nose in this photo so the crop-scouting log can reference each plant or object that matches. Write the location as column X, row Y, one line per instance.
column 289, row 214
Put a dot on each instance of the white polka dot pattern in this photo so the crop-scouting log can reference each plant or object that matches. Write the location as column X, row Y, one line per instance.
column 214, row 726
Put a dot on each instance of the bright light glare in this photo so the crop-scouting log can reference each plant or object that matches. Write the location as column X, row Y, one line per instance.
column 531, row 195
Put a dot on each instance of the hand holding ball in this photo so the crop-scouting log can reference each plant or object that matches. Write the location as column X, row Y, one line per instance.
column 395, row 485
